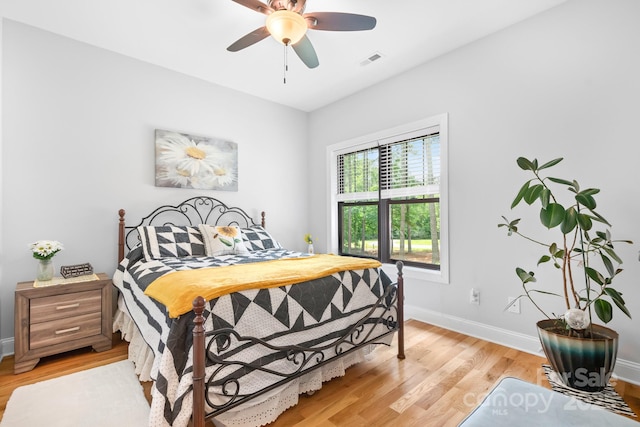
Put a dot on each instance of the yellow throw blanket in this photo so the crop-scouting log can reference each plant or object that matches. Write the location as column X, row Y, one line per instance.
column 178, row 289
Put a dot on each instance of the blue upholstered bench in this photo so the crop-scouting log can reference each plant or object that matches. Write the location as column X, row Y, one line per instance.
column 514, row 402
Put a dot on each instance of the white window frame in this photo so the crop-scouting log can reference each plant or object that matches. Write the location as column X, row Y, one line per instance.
column 419, row 127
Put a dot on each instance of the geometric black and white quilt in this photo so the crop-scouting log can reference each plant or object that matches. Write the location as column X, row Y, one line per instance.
column 312, row 313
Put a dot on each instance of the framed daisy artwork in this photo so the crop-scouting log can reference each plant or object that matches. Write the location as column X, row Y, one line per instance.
column 189, row 161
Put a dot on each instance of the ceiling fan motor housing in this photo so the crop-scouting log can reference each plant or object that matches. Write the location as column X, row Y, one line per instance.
column 292, row 5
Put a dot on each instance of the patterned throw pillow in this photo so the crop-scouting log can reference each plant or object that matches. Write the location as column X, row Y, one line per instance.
column 222, row 240
column 256, row 238
column 169, row 241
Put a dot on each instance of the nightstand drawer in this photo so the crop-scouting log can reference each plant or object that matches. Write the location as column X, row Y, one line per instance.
column 64, row 330
column 67, row 305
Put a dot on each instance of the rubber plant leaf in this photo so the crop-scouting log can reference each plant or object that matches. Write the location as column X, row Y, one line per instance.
column 543, row 258
column 586, row 200
column 570, row 220
column 608, row 264
column 594, row 275
column 617, row 299
column 561, row 181
column 545, row 197
column 603, row 310
column 590, row 191
column 544, row 292
column 552, row 215
column 585, row 221
column 524, row 276
column 520, row 194
column 551, row 163
column 612, row 254
column 533, row 193
column 600, row 218
column 525, row 164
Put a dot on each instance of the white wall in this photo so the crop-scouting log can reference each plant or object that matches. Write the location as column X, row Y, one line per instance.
column 2, row 349
column 80, row 120
column 562, row 84
column 78, row 144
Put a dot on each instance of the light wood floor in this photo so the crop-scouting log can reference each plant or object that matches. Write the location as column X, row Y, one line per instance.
column 442, row 379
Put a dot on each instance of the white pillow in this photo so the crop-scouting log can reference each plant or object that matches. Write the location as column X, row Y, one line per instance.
column 222, row 240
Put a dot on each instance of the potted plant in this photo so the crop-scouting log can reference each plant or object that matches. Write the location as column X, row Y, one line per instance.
column 582, row 354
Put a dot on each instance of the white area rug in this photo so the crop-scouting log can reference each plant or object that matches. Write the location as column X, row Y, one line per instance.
column 107, row 396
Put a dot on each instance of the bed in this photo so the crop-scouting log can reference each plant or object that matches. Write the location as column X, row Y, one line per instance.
column 232, row 327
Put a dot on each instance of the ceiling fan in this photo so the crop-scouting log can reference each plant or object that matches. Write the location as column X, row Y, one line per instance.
column 288, row 24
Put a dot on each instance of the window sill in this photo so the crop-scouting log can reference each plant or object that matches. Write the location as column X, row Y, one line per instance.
column 422, row 274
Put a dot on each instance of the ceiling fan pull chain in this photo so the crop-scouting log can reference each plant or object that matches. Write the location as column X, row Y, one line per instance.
column 286, row 62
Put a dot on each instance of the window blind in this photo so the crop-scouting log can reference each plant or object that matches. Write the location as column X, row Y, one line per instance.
column 410, row 167
column 358, row 175
column 406, row 168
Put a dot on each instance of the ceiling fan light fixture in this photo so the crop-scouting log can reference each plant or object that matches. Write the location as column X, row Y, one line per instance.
column 286, row 27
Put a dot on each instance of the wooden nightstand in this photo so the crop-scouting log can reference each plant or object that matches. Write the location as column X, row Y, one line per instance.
column 54, row 319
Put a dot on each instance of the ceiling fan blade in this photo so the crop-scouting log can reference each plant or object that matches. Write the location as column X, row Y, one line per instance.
column 251, row 38
column 256, row 5
column 304, row 49
column 336, row 21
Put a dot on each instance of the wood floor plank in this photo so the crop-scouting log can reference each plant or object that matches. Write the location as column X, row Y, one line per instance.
column 444, row 376
column 377, row 398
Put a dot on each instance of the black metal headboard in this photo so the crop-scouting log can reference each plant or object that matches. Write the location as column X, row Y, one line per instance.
column 193, row 211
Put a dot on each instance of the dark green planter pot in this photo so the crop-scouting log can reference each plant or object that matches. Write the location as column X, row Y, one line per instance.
column 582, row 363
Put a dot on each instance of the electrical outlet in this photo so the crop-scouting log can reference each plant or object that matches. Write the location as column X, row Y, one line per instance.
column 515, row 305
column 474, row 296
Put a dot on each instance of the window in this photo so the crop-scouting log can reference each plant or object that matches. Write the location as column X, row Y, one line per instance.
column 388, row 195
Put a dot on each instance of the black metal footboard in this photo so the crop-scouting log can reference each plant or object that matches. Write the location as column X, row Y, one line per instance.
column 384, row 317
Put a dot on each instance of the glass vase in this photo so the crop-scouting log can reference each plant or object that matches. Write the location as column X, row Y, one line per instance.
column 45, row 269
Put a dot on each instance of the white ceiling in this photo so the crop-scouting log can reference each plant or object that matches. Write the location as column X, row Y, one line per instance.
column 191, row 37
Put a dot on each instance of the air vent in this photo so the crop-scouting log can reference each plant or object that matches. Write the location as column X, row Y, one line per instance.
column 373, row 57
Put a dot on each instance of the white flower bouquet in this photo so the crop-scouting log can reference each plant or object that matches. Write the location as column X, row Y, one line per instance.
column 45, row 249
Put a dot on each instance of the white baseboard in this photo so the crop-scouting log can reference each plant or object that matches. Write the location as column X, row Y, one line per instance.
column 625, row 370
column 6, row 347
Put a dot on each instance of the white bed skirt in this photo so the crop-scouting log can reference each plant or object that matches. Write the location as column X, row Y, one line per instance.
column 139, row 352
column 260, row 411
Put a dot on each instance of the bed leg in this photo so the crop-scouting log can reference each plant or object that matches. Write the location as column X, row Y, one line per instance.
column 400, row 265
column 198, row 363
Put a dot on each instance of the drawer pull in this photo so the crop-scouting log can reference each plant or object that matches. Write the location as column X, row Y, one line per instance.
column 64, row 331
column 64, row 307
